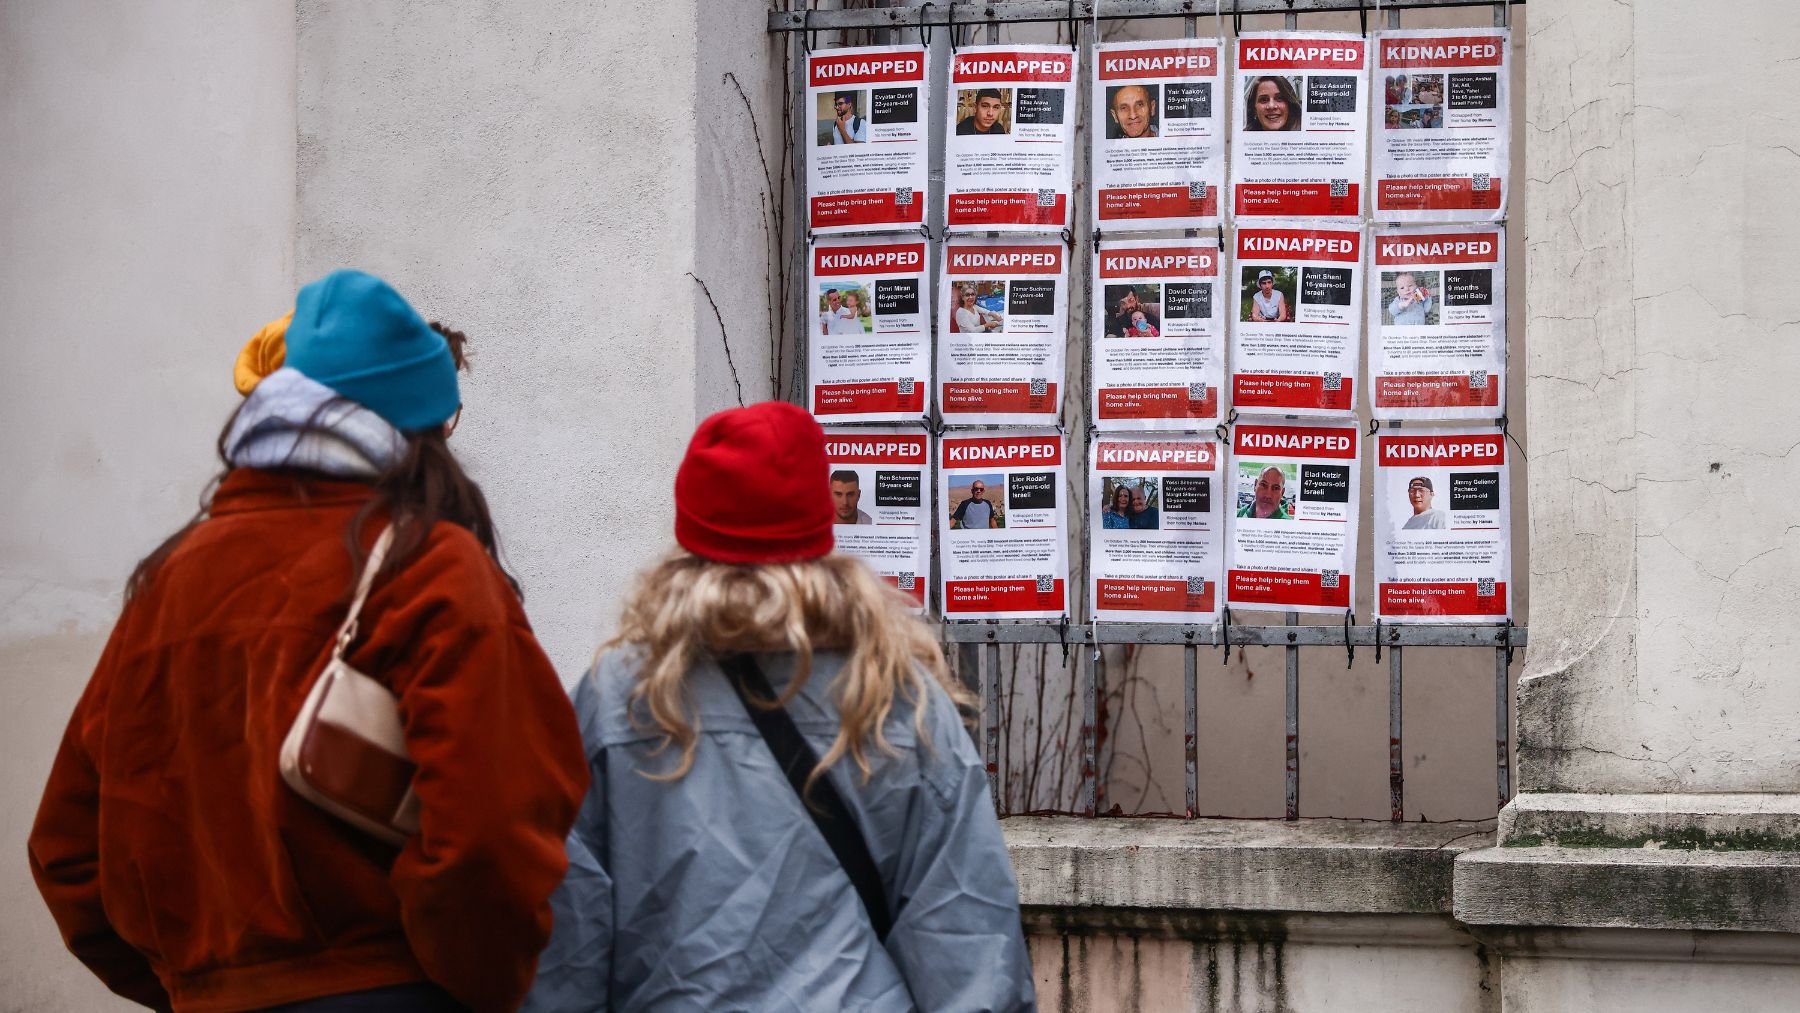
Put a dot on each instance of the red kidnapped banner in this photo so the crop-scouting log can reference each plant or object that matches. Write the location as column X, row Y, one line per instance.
column 1343, row 245
column 1152, row 596
column 1295, row 441
column 1001, row 596
column 1157, row 455
column 830, row 71
column 1446, row 248
column 1159, row 262
column 1443, row 51
column 1002, row 452
column 888, row 258
column 1443, row 600
column 851, row 448
column 1007, row 67
column 865, row 209
column 1300, row 54
column 1251, row 588
column 1441, row 451
column 1158, row 64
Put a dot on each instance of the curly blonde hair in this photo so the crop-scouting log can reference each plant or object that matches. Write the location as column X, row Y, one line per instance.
column 686, row 607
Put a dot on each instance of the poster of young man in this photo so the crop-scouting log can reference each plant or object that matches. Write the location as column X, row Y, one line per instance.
column 870, row 138
column 880, row 482
column 1002, row 528
column 1300, row 132
column 1296, row 335
column 1443, row 526
column 1156, row 538
column 1002, row 328
column 869, row 350
column 1159, row 134
column 1158, row 334
column 1444, row 126
column 1008, row 153
column 1292, row 540
column 1437, row 322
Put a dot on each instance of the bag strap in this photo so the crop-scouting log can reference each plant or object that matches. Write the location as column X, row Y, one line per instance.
column 377, row 555
column 797, row 760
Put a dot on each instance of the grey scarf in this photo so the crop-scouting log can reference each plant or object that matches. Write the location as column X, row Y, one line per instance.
column 349, row 441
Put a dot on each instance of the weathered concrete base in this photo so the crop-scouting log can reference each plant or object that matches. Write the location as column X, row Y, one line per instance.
column 1643, row 971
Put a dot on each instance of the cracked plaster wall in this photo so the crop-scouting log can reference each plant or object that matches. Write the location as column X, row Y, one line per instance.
column 1661, row 331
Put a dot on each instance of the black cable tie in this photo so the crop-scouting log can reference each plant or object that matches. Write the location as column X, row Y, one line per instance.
column 1074, row 29
column 1377, row 640
column 951, row 7
column 1362, row 15
column 1068, row 236
column 1237, row 20
column 1374, row 427
column 1508, row 641
column 1349, row 645
column 924, row 26
column 1225, row 636
column 806, row 31
column 1062, row 631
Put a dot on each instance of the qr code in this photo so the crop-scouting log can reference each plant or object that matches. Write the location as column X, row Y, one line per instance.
column 1340, row 188
column 1046, row 198
column 1196, row 585
column 1484, row 587
column 1329, row 579
column 906, row 386
column 1478, row 379
column 1040, row 387
column 1334, row 381
column 903, row 197
column 1046, row 584
column 1483, row 182
column 906, row 581
column 1196, row 392
column 1196, row 190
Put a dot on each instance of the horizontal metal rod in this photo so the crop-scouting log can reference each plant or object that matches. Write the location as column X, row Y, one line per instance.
column 1247, row 635
column 1021, row 11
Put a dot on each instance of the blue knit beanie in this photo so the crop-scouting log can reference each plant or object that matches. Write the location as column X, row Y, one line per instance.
column 353, row 333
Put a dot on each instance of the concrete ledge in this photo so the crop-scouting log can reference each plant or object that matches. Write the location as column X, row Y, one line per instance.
column 1326, row 866
column 1749, row 822
column 1248, row 926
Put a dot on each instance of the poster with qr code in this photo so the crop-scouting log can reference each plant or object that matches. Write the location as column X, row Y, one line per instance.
column 1002, row 526
column 1443, row 526
column 880, row 482
column 1437, row 322
column 1158, row 334
column 870, row 139
column 1002, row 330
column 1156, row 531
column 1158, row 134
column 1443, row 130
column 1300, row 132
column 1291, row 542
column 1009, row 143
column 1297, row 318
column 869, row 352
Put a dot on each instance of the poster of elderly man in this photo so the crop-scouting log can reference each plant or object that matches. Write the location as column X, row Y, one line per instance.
column 1159, row 134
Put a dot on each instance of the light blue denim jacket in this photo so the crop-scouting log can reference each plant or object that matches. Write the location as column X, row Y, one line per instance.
column 716, row 891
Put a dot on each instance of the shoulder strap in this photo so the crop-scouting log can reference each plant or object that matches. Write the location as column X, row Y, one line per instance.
column 826, row 807
column 377, row 555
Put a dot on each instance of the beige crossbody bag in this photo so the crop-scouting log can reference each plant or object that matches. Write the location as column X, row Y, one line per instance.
column 346, row 752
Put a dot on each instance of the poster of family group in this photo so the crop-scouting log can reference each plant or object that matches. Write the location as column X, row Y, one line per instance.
column 1158, row 134
column 1158, row 341
column 1437, row 322
column 865, row 170
column 1297, row 305
column 1300, row 134
column 869, row 354
column 1443, row 127
column 881, row 492
column 1003, row 533
column 1157, row 538
column 1443, row 549
column 1292, row 543
column 1009, row 149
column 1002, row 328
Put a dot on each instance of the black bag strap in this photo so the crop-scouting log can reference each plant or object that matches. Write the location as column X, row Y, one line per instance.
column 826, row 807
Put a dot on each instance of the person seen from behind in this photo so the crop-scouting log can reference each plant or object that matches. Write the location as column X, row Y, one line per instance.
column 698, row 878
column 179, row 866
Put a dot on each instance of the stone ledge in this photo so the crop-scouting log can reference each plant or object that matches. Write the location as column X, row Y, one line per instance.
column 1747, row 822
column 1326, row 866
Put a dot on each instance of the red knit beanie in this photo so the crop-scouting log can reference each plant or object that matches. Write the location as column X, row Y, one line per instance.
column 752, row 487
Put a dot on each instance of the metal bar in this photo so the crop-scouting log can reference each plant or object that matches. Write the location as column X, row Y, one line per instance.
column 1392, row 635
column 1024, row 11
column 1396, row 773
column 1500, row 15
column 1292, row 685
column 1393, row 18
column 802, row 219
column 1090, row 720
column 1291, row 21
column 1191, row 679
column 990, row 717
column 1503, row 726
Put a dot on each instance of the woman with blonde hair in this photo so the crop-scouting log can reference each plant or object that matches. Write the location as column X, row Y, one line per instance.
column 786, row 811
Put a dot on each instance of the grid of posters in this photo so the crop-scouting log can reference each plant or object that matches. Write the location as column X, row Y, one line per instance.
column 1156, row 535
column 1158, row 134
column 1002, row 547
column 1437, row 322
column 1444, row 125
column 1008, row 152
column 881, row 490
column 869, row 353
column 1300, row 135
column 1158, row 339
column 870, row 139
column 1002, row 328
column 1297, row 334
column 1293, row 537
column 1443, row 547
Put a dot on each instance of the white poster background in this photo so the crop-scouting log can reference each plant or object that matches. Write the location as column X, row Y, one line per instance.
column 1008, row 158
column 1009, row 558
column 1001, row 354
column 1443, row 526
column 1437, row 322
column 1292, row 538
column 1158, row 340
column 1158, row 557
column 869, row 350
column 1300, row 127
column 866, row 164
column 1159, row 134
column 1443, row 124
column 1296, row 343
column 883, row 516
